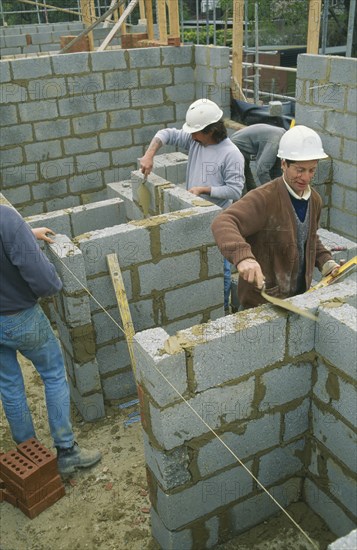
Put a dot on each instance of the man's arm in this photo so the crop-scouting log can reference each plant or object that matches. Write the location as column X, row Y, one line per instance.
column 147, row 161
column 230, row 229
column 41, row 233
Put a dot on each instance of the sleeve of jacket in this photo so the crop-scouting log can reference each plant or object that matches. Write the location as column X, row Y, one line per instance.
column 322, row 255
column 233, row 177
column 33, row 265
column 240, row 220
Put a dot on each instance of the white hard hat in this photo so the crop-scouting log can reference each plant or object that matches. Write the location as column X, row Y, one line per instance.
column 301, row 143
column 200, row 114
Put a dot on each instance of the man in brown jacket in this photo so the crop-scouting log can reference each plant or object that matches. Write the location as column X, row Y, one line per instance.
column 271, row 233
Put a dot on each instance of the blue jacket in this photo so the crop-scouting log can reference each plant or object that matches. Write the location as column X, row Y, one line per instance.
column 25, row 272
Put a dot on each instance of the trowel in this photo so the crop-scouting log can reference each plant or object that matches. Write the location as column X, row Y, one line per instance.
column 144, row 196
column 344, row 269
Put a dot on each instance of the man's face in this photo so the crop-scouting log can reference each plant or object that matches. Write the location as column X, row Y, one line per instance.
column 203, row 139
column 299, row 174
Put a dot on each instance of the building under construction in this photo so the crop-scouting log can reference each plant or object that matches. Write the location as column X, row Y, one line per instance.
column 81, row 101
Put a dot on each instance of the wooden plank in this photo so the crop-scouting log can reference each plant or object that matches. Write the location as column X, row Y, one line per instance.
column 162, row 21
column 313, row 30
column 122, row 301
column 142, row 10
column 174, row 18
column 117, row 25
column 237, row 48
column 88, row 16
column 149, row 19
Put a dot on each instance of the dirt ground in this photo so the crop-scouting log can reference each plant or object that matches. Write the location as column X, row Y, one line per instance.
column 107, row 507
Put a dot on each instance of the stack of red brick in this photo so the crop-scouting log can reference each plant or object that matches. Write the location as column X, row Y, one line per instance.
column 29, row 478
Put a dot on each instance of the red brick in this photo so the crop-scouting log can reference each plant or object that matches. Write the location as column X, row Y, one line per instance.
column 22, row 471
column 36, row 509
column 174, row 41
column 33, row 496
column 33, row 450
column 81, row 46
column 9, row 497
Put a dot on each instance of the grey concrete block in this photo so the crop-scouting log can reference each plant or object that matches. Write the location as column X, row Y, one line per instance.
column 349, row 150
column 338, row 522
column 336, row 338
column 180, row 92
column 97, row 215
column 252, row 438
column 18, row 195
column 159, row 77
column 335, row 435
column 77, row 310
column 145, row 97
column 296, row 421
column 16, row 135
column 343, row 73
column 343, row 122
column 177, row 56
column 162, row 114
column 113, row 357
column 339, row 393
column 352, row 100
column 344, row 223
column 331, row 96
column 179, row 509
column 8, row 115
column 108, row 325
column 89, row 124
column 115, row 140
column 310, row 66
column 170, row 540
column 169, row 468
column 52, row 129
column 13, row 176
column 11, row 157
column 85, row 85
column 5, row 75
column 345, row 543
column 258, row 508
column 49, row 190
column 157, row 370
column 188, row 231
column 119, row 385
column 281, row 463
column 38, row 110
column 15, row 41
column 284, row 384
column 87, row 377
column 80, row 145
column 344, row 173
column 64, row 253
column 148, row 57
column 71, row 63
column 36, row 152
column 174, row 425
column 168, row 274
column 113, row 100
column 103, row 291
column 236, row 343
column 75, row 105
column 59, row 203
column 121, row 80
column 12, row 93
column 108, row 61
column 91, row 407
column 342, row 486
column 183, row 74
column 181, row 302
column 58, row 221
column 124, row 119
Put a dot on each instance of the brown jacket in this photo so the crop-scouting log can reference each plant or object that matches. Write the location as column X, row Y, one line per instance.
column 262, row 225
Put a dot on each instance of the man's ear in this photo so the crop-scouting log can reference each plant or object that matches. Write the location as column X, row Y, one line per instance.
column 283, row 164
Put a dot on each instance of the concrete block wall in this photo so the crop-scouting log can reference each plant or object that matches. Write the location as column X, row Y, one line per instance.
column 327, row 102
column 76, row 122
column 278, row 390
column 172, row 272
column 22, row 40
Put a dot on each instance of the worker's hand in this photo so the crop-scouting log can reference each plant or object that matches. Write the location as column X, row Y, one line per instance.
column 251, row 272
column 336, row 269
column 146, row 164
column 200, row 190
column 41, row 233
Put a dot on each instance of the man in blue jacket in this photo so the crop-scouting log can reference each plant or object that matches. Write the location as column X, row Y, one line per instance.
column 27, row 275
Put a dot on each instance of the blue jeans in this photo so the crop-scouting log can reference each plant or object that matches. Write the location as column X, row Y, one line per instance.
column 227, row 282
column 30, row 333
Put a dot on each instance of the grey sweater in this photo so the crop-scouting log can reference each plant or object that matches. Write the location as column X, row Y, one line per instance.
column 219, row 166
column 262, row 141
column 25, row 272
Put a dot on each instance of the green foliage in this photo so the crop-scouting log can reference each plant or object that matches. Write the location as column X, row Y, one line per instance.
column 190, row 35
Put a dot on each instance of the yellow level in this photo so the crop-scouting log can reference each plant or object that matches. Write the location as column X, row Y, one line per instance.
column 329, row 279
